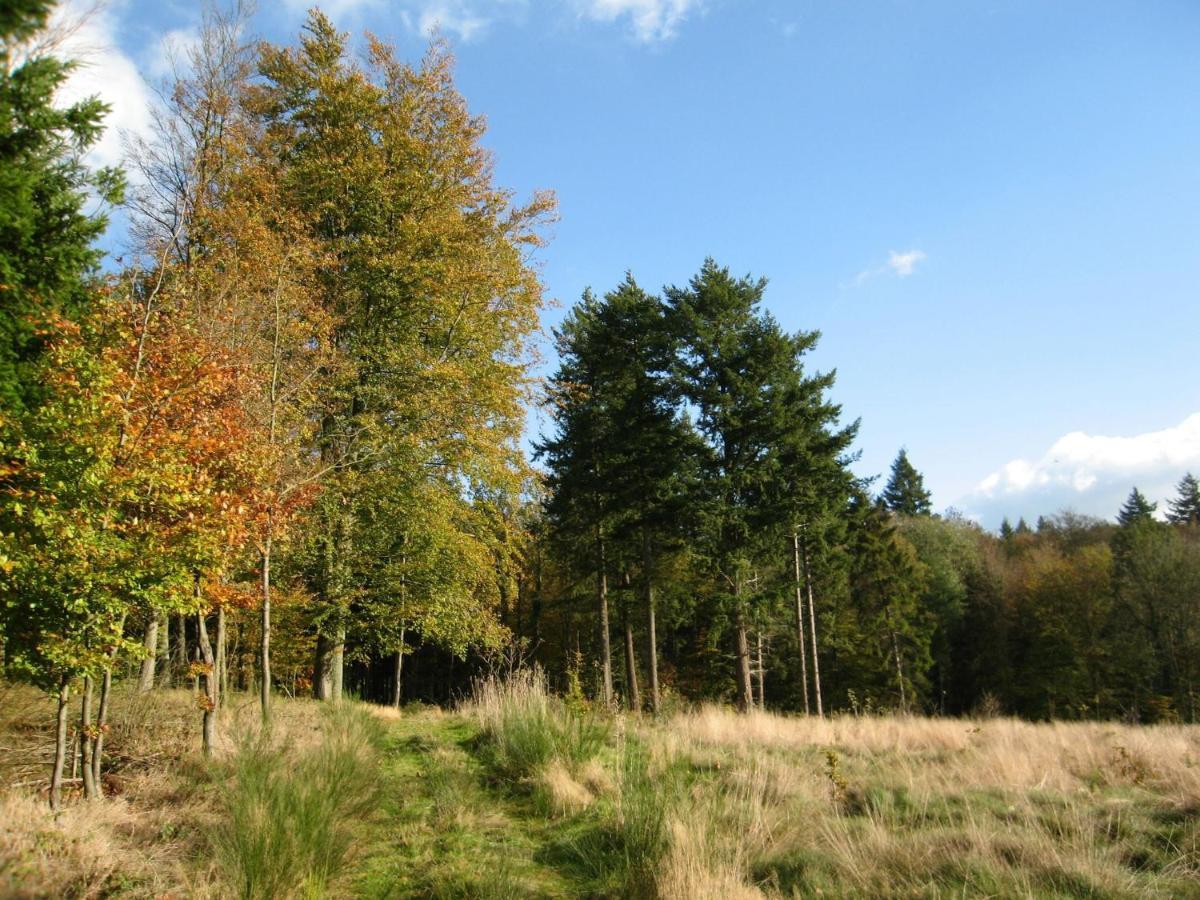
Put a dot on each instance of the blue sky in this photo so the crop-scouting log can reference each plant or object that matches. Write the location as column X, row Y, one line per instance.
column 990, row 209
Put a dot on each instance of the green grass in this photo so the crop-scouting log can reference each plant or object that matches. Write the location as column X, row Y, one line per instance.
column 292, row 816
column 451, row 829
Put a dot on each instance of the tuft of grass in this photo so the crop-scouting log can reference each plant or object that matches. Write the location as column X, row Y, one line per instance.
column 528, row 728
column 292, row 815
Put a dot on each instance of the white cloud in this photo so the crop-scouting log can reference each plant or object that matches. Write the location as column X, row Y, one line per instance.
column 467, row 20
column 335, row 9
column 1090, row 473
column 103, row 69
column 900, row 264
column 171, row 53
column 463, row 20
column 904, row 263
column 652, row 20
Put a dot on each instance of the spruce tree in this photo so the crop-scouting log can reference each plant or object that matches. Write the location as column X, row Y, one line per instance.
column 905, row 493
column 1185, row 508
column 47, row 237
column 742, row 374
column 1137, row 510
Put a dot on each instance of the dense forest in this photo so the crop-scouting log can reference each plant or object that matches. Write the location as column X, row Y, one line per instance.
column 277, row 446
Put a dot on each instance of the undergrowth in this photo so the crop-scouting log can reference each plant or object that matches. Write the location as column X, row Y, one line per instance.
column 292, row 813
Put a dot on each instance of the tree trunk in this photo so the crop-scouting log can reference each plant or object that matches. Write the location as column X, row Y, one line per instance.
column 264, row 658
column 181, row 650
column 899, row 673
column 338, row 664
column 164, row 651
column 745, row 696
column 323, row 668
column 150, row 642
column 211, row 697
column 760, row 671
column 602, row 597
column 397, row 683
column 631, row 680
column 800, row 635
column 651, row 636
column 85, row 733
column 812, row 628
column 222, row 661
column 60, row 744
column 102, row 717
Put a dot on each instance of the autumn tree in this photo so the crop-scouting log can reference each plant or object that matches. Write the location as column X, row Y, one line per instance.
column 426, row 280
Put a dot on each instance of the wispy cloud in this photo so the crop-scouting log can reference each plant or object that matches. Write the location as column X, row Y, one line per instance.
column 171, row 54
column 651, row 20
column 462, row 19
column 900, row 264
column 1090, row 473
column 903, row 264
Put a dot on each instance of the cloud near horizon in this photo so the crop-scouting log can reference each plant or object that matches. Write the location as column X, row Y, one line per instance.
column 1091, row 474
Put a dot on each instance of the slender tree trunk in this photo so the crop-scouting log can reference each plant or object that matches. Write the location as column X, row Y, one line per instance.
column 745, row 697
column 222, row 660
column 602, row 597
column 60, row 743
column 812, row 628
column 397, row 682
column 85, row 732
column 102, row 720
column 899, row 672
column 651, row 628
column 164, row 651
column 211, row 697
column 264, row 658
column 338, row 664
column 150, row 642
column 631, row 679
column 181, row 650
column 800, row 635
column 760, row 671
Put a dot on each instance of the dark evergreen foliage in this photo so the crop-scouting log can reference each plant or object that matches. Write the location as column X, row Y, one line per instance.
column 47, row 251
column 905, row 493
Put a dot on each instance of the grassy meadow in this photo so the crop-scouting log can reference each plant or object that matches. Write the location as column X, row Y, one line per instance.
column 521, row 794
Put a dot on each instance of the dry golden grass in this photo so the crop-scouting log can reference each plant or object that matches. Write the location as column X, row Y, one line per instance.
column 904, row 806
column 149, row 835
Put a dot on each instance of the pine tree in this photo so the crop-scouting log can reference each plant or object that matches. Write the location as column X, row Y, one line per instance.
column 905, row 493
column 1006, row 530
column 1137, row 510
column 1185, row 508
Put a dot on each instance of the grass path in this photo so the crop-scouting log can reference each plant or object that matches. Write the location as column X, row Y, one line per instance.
column 449, row 831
